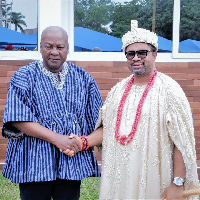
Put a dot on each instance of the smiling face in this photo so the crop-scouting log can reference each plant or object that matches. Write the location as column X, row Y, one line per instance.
column 141, row 66
column 54, row 48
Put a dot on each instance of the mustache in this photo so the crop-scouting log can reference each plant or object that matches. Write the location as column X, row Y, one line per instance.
column 133, row 63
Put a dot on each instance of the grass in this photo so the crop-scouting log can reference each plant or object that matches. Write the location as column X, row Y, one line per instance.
column 10, row 191
column 89, row 189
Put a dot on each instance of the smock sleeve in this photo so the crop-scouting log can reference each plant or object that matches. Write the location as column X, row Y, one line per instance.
column 19, row 106
column 180, row 127
column 93, row 106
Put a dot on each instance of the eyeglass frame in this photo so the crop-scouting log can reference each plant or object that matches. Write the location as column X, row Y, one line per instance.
column 136, row 52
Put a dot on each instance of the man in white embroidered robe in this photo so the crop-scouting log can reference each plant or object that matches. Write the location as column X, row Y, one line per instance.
column 160, row 160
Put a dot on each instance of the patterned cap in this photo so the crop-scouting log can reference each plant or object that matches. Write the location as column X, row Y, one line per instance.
column 139, row 35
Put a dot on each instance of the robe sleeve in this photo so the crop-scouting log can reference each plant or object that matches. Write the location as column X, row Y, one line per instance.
column 180, row 127
column 18, row 106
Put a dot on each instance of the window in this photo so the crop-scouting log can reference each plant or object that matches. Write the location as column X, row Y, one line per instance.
column 186, row 25
column 49, row 13
column 144, row 22
column 18, row 25
column 100, row 24
column 189, row 27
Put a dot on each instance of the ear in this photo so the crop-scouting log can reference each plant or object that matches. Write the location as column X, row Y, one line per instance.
column 40, row 47
column 154, row 55
column 67, row 48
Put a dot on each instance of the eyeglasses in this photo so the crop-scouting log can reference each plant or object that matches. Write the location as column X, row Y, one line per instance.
column 140, row 54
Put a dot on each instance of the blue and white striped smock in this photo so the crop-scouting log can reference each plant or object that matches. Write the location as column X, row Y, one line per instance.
column 69, row 106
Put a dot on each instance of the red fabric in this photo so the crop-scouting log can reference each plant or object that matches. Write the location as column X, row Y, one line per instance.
column 9, row 47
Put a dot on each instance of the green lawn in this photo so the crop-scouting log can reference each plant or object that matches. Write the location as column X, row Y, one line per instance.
column 89, row 189
column 10, row 191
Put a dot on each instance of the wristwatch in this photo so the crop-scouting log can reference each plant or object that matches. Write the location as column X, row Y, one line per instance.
column 178, row 181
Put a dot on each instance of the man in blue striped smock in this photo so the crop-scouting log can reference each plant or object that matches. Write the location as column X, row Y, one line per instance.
column 47, row 101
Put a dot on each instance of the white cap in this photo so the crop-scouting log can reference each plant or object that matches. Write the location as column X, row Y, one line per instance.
column 139, row 35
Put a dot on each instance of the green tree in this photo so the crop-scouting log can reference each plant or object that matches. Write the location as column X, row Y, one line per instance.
column 92, row 14
column 122, row 16
column 164, row 17
column 190, row 20
column 17, row 20
column 142, row 10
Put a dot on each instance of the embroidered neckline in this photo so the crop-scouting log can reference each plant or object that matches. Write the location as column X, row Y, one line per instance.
column 124, row 140
column 53, row 77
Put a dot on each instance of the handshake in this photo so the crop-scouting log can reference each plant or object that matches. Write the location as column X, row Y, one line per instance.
column 83, row 142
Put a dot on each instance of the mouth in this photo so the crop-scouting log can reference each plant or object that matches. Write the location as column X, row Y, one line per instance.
column 137, row 66
column 54, row 59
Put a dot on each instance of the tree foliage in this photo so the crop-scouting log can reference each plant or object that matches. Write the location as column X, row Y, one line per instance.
column 190, row 20
column 121, row 18
column 163, row 20
column 93, row 14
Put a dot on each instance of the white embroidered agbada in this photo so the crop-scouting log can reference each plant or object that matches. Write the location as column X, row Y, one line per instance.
column 143, row 169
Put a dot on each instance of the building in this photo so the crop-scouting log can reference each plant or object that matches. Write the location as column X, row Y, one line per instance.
column 106, row 67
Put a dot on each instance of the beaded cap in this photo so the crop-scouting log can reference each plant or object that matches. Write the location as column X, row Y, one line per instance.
column 139, row 35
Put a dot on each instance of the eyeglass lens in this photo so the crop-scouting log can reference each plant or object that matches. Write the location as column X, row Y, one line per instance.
column 140, row 54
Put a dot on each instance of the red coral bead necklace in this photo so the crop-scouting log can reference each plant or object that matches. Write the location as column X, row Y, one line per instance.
column 124, row 140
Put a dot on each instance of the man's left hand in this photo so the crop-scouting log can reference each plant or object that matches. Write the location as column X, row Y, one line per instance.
column 173, row 192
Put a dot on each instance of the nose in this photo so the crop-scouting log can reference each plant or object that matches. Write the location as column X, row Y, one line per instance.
column 54, row 51
column 136, row 57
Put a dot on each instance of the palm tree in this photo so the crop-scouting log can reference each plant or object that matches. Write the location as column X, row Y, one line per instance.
column 17, row 20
